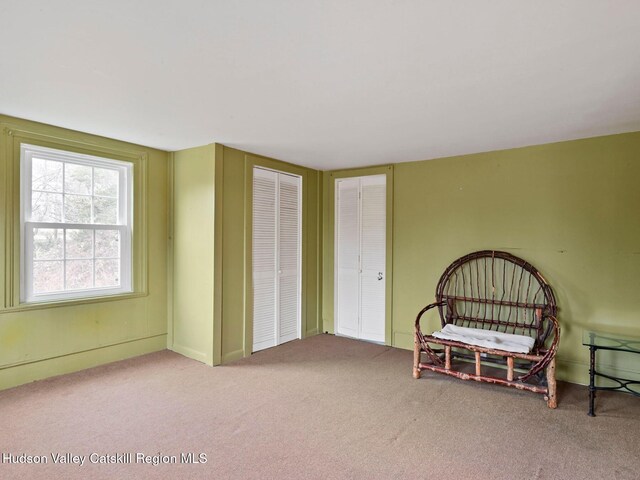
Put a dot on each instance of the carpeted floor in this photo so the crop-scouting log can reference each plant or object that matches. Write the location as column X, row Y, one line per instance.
column 321, row 408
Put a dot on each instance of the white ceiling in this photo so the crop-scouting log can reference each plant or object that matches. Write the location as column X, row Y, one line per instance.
column 326, row 84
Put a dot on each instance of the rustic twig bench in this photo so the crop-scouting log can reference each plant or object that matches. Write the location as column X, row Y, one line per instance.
column 494, row 308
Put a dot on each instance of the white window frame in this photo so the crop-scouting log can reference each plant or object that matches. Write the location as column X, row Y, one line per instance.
column 124, row 225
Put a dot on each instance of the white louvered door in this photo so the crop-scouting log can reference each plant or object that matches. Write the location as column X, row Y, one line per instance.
column 347, row 252
column 265, row 190
column 360, row 257
column 373, row 235
column 276, row 258
column 289, row 257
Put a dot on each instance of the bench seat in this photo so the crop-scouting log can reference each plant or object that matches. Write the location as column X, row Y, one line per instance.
column 507, row 342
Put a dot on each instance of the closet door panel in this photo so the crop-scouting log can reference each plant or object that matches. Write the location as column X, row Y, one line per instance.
column 373, row 257
column 289, row 257
column 347, row 255
column 264, row 259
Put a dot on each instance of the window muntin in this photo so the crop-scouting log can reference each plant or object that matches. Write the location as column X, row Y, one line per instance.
column 76, row 218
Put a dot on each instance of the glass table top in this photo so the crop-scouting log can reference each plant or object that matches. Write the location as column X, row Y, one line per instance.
column 611, row 341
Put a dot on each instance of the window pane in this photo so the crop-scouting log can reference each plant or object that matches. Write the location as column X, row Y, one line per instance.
column 79, row 244
column 79, row 274
column 47, row 277
column 77, row 179
column 107, row 273
column 46, row 207
column 105, row 210
column 73, row 220
column 105, row 182
column 77, row 209
column 47, row 244
column 46, row 175
column 107, row 243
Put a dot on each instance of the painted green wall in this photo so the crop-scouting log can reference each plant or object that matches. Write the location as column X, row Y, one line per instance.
column 45, row 340
column 570, row 208
column 193, row 203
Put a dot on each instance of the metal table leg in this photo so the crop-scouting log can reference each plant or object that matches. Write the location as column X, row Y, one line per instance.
column 592, row 376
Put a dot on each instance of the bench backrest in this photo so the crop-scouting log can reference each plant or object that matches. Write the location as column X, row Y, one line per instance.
column 498, row 291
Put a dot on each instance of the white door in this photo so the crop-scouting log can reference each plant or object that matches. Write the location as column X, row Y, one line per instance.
column 360, row 257
column 288, row 257
column 276, row 258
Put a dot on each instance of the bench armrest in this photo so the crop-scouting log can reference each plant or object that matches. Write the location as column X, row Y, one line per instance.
column 425, row 309
column 549, row 355
column 421, row 343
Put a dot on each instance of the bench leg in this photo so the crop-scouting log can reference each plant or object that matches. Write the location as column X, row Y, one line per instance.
column 510, row 369
column 416, row 356
column 552, row 400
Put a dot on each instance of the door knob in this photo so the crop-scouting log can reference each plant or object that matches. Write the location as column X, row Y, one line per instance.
column 379, row 275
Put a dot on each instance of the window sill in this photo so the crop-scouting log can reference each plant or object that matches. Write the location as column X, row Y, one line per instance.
column 73, row 302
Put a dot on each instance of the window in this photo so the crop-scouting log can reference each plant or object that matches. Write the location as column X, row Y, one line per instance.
column 76, row 224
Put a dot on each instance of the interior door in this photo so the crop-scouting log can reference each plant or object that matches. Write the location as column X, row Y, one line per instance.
column 373, row 236
column 276, row 258
column 264, row 259
column 347, row 254
column 360, row 256
column 288, row 257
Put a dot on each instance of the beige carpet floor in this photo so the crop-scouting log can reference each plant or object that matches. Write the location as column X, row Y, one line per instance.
column 321, row 408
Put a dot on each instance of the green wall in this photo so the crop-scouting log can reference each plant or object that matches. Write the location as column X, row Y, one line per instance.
column 38, row 341
column 192, row 227
column 571, row 209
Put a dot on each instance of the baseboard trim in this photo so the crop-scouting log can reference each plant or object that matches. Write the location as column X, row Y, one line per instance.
column 232, row 356
column 15, row 375
column 191, row 353
column 575, row 371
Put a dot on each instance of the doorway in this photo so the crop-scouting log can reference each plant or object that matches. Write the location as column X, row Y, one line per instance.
column 360, row 257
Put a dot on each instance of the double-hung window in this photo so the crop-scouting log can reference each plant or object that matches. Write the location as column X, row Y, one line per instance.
column 76, row 225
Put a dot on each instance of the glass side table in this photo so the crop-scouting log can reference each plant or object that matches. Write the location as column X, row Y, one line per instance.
column 603, row 341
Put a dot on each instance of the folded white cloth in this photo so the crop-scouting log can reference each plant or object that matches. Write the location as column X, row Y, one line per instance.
column 486, row 338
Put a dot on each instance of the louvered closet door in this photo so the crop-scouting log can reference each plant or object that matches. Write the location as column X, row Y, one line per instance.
column 360, row 253
column 289, row 257
column 276, row 258
column 265, row 183
column 373, row 233
column 347, row 252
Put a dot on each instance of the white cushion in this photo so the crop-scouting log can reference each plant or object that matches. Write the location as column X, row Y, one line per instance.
column 486, row 338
